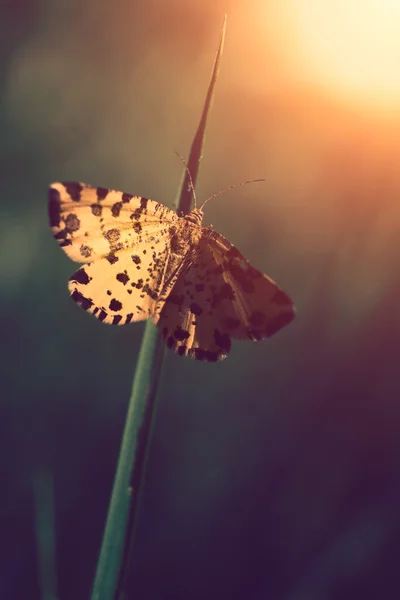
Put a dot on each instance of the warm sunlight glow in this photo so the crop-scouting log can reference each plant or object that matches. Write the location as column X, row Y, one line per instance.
column 352, row 47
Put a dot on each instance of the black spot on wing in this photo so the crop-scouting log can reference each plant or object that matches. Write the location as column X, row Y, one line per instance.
column 122, row 277
column 101, row 193
column 54, row 207
column 222, row 340
column 72, row 223
column 196, row 309
column 97, row 209
column 129, row 318
column 181, row 334
column 175, row 299
column 115, row 305
column 85, row 251
column 80, row 276
column 85, row 303
column 61, row 235
column 102, row 315
column 112, row 235
column 137, row 228
column 116, row 319
column 65, row 243
column 112, row 259
column 136, row 259
column 126, row 197
column 116, row 209
column 74, row 190
column 206, row 355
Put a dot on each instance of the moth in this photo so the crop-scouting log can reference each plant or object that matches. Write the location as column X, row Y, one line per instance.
column 143, row 261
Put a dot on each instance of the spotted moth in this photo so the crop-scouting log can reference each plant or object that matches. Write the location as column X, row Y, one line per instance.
column 142, row 261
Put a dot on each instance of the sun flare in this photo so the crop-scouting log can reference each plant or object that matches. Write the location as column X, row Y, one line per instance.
column 352, row 48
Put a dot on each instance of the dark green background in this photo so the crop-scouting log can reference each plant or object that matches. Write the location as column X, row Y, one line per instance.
column 274, row 474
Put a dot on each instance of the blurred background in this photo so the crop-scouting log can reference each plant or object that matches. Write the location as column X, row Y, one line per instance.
column 274, row 474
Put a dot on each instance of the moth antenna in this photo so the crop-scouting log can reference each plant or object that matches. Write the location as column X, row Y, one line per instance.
column 229, row 187
column 190, row 178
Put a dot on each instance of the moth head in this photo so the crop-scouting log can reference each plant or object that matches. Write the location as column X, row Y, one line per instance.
column 195, row 216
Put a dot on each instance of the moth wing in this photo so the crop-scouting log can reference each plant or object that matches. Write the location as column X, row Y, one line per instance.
column 126, row 287
column 92, row 222
column 124, row 241
column 186, row 320
column 218, row 296
column 249, row 303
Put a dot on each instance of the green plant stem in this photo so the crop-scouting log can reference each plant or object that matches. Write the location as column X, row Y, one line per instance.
column 116, row 549
column 125, row 493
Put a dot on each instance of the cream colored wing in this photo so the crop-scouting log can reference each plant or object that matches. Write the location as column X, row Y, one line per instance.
column 125, row 241
column 94, row 222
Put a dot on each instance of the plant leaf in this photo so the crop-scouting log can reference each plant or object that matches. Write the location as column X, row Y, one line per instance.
column 116, row 549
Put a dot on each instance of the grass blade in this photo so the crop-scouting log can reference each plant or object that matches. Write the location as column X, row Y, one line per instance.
column 116, row 550
column 184, row 197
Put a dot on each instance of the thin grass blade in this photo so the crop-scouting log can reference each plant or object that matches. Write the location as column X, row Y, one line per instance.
column 116, row 550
